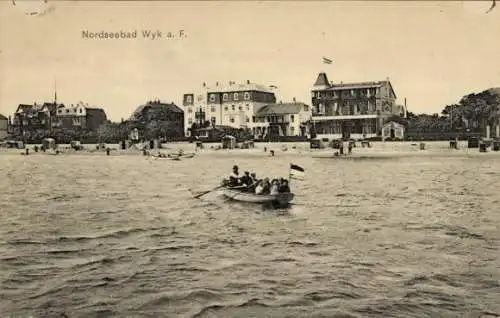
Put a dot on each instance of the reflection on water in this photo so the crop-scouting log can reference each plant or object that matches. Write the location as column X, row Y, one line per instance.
column 91, row 235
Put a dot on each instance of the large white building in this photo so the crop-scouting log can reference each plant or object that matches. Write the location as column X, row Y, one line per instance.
column 233, row 105
column 352, row 110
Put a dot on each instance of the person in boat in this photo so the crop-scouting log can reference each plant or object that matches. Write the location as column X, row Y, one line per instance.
column 274, row 187
column 284, row 187
column 234, row 178
column 246, row 180
column 266, row 186
column 259, row 188
column 253, row 184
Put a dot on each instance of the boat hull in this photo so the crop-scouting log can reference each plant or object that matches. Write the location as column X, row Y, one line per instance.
column 248, row 197
column 183, row 156
column 166, row 158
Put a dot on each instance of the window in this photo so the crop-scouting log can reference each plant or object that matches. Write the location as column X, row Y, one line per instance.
column 248, row 119
column 81, row 110
column 190, row 110
column 212, row 120
column 212, row 97
column 253, row 119
column 225, row 97
column 292, row 118
column 247, row 96
column 240, row 107
column 212, row 109
column 67, row 110
column 232, row 107
column 225, row 108
column 190, row 121
column 352, row 92
column 189, row 100
column 248, row 107
column 231, row 119
column 235, row 96
column 306, row 108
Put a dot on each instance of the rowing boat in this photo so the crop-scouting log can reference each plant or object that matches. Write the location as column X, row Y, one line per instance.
column 165, row 158
column 281, row 199
column 184, row 156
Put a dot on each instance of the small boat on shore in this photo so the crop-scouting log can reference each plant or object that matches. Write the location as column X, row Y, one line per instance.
column 280, row 199
column 165, row 158
column 182, row 155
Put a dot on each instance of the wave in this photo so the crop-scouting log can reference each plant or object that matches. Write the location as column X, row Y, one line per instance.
column 451, row 230
column 115, row 234
column 299, row 243
column 253, row 302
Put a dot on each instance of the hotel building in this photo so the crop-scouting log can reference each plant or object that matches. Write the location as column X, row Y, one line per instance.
column 283, row 119
column 232, row 105
column 352, row 110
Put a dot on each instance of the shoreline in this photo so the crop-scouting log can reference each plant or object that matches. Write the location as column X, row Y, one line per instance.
column 377, row 150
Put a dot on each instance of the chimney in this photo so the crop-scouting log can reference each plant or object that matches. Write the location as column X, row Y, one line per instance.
column 230, row 83
column 204, row 84
column 216, row 83
column 248, row 81
column 294, row 100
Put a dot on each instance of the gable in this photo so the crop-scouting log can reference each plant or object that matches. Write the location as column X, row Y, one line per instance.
column 392, row 93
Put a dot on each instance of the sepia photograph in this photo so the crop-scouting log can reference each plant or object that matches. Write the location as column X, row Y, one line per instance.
column 249, row 159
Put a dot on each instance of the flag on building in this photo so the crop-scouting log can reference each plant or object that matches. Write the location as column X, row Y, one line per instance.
column 296, row 172
column 327, row 61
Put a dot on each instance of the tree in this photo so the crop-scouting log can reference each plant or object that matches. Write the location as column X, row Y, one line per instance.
column 110, row 132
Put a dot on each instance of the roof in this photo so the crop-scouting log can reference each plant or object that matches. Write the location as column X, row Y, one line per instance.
column 24, row 107
column 3, row 117
column 248, row 87
column 94, row 109
column 51, row 106
column 341, row 86
column 397, row 119
column 323, row 84
column 157, row 105
column 280, row 109
column 322, row 80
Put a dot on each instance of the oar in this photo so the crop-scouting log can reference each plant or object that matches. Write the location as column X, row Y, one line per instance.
column 206, row 192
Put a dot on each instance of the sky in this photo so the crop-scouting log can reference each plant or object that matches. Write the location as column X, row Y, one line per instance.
column 432, row 52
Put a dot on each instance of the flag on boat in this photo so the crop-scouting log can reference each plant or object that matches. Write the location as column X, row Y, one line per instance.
column 296, row 172
column 327, row 61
